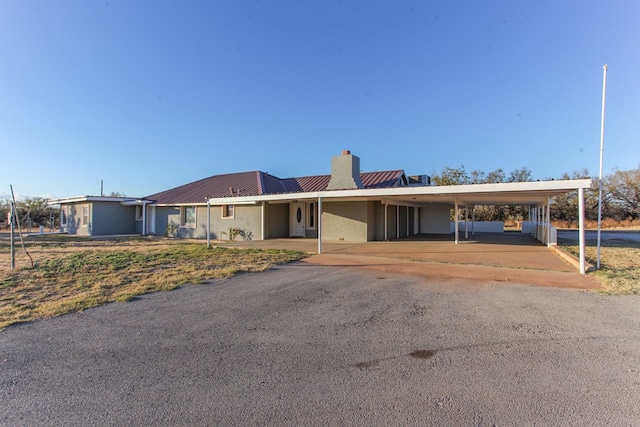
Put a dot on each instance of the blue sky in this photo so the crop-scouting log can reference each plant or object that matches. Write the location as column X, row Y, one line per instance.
column 149, row 95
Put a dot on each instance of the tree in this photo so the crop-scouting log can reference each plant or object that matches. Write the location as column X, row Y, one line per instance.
column 35, row 209
column 520, row 175
column 623, row 193
column 451, row 176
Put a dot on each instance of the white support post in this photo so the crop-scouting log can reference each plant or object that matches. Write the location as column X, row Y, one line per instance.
column 319, row 225
column 386, row 221
column 581, row 228
column 549, row 222
column 262, row 220
column 473, row 220
column 466, row 222
column 208, row 223
column 456, row 220
column 407, row 221
column 144, row 219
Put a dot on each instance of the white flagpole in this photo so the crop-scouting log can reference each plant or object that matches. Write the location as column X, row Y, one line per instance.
column 604, row 93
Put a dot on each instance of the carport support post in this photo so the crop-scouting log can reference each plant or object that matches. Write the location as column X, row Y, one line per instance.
column 581, row 228
column 144, row 218
column 319, row 225
column 466, row 222
column 262, row 218
column 457, row 209
column 473, row 220
column 386, row 221
column 208, row 223
column 549, row 222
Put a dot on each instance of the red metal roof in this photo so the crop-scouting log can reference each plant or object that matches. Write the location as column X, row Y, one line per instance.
column 260, row 183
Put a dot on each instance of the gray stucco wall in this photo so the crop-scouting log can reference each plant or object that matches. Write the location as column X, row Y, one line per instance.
column 345, row 221
column 74, row 224
column 112, row 218
column 435, row 219
column 277, row 219
column 247, row 218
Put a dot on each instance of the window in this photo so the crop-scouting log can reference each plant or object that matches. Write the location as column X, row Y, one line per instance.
column 188, row 216
column 139, row 213
column 85, row 215
column 311, row 216
column 63, row 215
column 227, row 211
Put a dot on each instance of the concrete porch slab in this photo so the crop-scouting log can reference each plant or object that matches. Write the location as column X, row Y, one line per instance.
column 510, row 257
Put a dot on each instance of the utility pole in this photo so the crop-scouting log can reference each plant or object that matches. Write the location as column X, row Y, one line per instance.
column 604, row 93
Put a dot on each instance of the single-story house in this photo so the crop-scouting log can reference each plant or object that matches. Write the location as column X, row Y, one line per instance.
column 347, row 205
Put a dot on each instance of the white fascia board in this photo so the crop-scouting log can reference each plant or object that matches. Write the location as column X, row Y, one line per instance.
column 550, row 187
column 135, row 202
column 81, row 199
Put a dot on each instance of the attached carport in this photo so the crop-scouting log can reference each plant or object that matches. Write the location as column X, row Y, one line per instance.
column 537, row 196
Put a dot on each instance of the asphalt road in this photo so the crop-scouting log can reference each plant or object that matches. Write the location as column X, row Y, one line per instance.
column 316, row 345
column 633, row 235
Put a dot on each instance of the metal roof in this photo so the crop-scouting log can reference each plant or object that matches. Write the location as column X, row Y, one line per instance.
column 257, row 183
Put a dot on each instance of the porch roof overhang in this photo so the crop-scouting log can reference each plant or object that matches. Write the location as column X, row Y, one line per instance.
column 85, row 199
column 534, row 193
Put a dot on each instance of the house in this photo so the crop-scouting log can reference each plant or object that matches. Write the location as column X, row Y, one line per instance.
column 257, row 205
column 347, row 205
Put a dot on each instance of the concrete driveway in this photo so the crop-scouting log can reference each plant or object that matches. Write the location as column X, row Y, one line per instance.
column 506, row 257
column 317, row 345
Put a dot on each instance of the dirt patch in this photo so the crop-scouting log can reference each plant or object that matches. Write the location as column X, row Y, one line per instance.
column 444, row 272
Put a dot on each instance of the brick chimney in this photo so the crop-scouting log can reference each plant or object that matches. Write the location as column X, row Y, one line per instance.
column 345, row 172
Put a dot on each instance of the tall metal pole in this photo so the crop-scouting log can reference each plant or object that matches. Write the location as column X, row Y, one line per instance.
column 604, row 93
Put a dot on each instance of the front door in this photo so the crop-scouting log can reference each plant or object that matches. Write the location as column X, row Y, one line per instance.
column 296, row 219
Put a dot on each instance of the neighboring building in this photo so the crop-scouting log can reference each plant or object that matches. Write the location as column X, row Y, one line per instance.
column 98, row 216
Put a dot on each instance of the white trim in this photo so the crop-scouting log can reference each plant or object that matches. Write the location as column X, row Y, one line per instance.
column 506, row 193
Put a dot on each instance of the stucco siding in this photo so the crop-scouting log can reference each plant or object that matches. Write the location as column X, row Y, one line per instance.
column 344, row 221
column 112, row 218
column 277, row 220
column 435, row 219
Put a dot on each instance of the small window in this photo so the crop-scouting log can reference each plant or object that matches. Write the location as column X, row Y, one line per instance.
column 63, row 215
column 227, row 211
column 139, row 213
column 188, row 216
column 85, row 215
column 311, row 216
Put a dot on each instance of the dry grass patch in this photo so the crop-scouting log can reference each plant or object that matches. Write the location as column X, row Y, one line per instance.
column 619, row 264
column 74, row 275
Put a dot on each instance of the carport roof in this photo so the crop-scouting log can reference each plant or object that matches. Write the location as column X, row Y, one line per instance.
column 512, row 193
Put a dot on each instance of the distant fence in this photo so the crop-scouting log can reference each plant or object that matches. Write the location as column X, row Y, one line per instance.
column 540, row 231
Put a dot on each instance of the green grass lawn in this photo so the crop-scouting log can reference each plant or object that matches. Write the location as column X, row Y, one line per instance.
column 75, row 274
